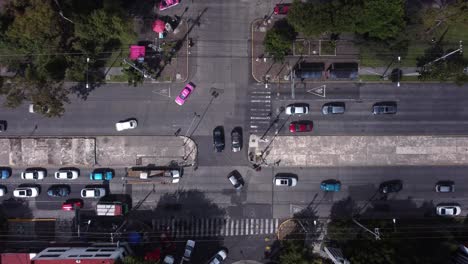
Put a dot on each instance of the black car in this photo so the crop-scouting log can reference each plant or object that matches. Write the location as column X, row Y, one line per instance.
column 236, row 140
column 384, row 108
column 218, row 139
column 58, row 191
column 3, row 125
column 391, row 186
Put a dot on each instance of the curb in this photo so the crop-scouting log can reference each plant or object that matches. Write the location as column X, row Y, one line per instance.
column 252, row 48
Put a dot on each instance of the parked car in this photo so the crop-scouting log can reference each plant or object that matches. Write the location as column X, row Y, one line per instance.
column 333, row 108
column 185, row 93
column 218, row 139
column 236, row 140
column 289, row 180
column 3, row 190
column 5, row 172
column 330, row 186
column 391, row 186
column 300, row 126
column 189, row 247
column 33, row 174
column 38, row 109
column 448, row 210
column 126, row 124
column 165, row 4
column 102, row 175
column 67, row 174
column 26, row 192
column 236, row 179
column 293, row 109
column 3, row 125
column 71, row 204
column 281, row 9
column 384, row 108
column 168, row 260
column 445, row 187
column 58, row 191
column 93, row 192
column 219, row 257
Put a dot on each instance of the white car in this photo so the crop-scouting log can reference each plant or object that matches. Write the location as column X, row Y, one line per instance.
column 219, row 257
column 448, row 210
column 168, row 260
column 66, row 174
column 298, row 109
column 188, row 250
column 34, row 109
column 93, row 192
column 26, row 192
column 127, row 124
column 285, row 181
column 3, row 190
column 33, row 174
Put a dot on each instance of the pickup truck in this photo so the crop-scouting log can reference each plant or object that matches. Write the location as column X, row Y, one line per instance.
column 167, row 175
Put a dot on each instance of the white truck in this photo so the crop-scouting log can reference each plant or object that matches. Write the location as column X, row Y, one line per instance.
column 166, row 175
column 111, row 209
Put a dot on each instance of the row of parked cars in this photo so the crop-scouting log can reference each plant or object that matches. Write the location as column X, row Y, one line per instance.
column 218, row 258
column 219, row 141
column 61, row 190
column 61, row 174
column 333, row 108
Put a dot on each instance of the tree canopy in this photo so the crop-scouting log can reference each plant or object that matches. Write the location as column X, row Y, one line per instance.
column 278, row 40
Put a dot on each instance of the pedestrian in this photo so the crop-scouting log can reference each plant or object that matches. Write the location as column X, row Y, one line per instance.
column 177, row 132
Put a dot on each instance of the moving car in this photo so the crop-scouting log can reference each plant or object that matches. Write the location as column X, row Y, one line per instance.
column 384, row 108
column 3, row 125
column 189, row 246
column 93, row 192
column 58, row 191
column 3, row 190
column 300, row 126
column 168, row 260
column 165, row 4
column 38, row 109
column 184, row 94
column 126, row 124
column 102, row 175
column 67, row 174
column 330, row 186
column 5, row 173
column 71, row 204
column 236, row 179
column 218, row 139
column 33, row 174
column 445, row 187
column 293, row 109
column 236, row 140
column 285, row 180
column 448, row 210
column 281, row 9
column 219, row 257
column 333, row 108
column 391, row 186
column 25, row 192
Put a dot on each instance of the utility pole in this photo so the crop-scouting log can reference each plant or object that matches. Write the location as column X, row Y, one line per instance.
column 61, row 13
column 376, row 232
column 460, row 49
column 139, row 70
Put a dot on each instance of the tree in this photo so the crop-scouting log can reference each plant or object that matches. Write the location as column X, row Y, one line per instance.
column 311, row 19
column 294, row 252
column 381, row 19
column 278, row 40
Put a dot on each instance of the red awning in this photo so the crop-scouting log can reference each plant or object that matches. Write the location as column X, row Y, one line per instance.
column 159, row 26
column 153, row 255
column 137, row 52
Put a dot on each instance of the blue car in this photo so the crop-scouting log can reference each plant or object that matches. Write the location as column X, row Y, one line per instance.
column 5, row 173
column 330, row 186
column 100, row 175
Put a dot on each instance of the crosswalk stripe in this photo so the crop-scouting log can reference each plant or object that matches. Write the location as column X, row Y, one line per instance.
column 262, row 226
column 252, row 226
column 276, row 226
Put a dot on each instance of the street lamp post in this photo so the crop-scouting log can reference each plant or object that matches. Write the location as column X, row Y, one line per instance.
column 399, row 70
column 87, row 71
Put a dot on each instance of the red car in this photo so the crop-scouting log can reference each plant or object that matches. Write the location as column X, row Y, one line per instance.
column 71, row 204
column 281, row 9
column 300, row 126
column 165, row 4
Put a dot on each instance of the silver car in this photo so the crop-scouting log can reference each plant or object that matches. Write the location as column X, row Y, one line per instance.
column 333, row 108
column 448, row 210
column 285, row 180
column 189, row 246
column 236, row 179
column 445, row 187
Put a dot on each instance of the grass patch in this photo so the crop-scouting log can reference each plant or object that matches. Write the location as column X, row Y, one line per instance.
column 327, row 48
column 118, row 78
column 301, row 47
column 371, row 78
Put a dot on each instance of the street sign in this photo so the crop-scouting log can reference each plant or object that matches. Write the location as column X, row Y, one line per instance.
column 319, row 91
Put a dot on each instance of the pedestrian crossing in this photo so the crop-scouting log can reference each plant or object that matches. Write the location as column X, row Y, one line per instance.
column 260, row 109
column 209, row 227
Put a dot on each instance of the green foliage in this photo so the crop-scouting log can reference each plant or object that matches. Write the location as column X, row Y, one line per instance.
column 294, row 252
column 278, row 40
column 136, row 260
column 309, row 19
column 381, row 19
column 134, row 77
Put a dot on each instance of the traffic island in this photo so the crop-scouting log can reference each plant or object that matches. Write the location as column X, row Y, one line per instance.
column 333, row 151
column 101, row 151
